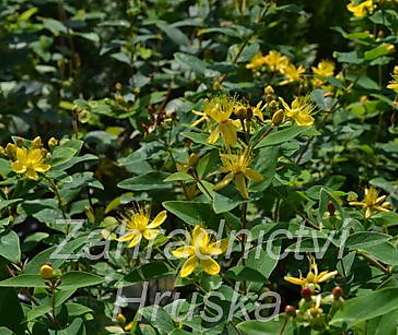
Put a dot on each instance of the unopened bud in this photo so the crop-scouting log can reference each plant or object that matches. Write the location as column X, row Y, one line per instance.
column 306, row 293
column 315, row 312
column 278, row 117
column 118, row 86
column 352, row 196
column 47, row 272
column 37, row 143
column 268, row 90
column 193, row 159
column 390, row 48
column 331, row 208
column 337, row 292
column 11, row 150
column 2, row 151
column 290, row 310
column 52, row 142
column 273, row 105
column 121, row 319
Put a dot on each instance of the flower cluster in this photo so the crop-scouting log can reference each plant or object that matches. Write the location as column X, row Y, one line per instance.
column 29, row 159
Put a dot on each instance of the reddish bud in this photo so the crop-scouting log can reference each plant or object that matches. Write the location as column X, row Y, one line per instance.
column 331, row 208
column 306, row 293
column 337, row 292
column 290, row 310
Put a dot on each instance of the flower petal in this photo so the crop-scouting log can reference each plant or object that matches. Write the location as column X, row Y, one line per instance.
column 253, row 175
column 184, row 251
column 129, row 236
column 240, row 183
column 150, row 234
column 189, row 266
column 229, row 133
column 214, row 135
column 325, row 276
column 210, row 266
column 200, row 237
column 18, row 167
column 31, row 174
column 158, row 220
column 42, row 167
column 136, row 239
column 295, row 280
column 224, row 182
column 218, row 248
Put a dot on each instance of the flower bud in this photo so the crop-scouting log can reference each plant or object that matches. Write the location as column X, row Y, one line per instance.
column 306, row 293
column 273, row 105
column 269, row 98
column 390, row 48
column 337, row 292
column 118, row 86
column 315, row 312
column 37, row 143
column 121, row 319
column 290, row 310
column 278, row 117
column 47, row 271
column 11, row 150
column 268, row 90
column 331, row 209
column 193, row 159
column 2, row 151
column 52, row 142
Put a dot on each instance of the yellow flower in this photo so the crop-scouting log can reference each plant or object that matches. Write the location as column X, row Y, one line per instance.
column 292, row 73
column 276, row 61
column 203, row 118
column 200, row 251
column 393, row 85
column 300, row 111
column 372, row 202
column 258, row 110
column 237, row 168
column 29, row 162
column 324, row 69
column 256, row 62
column 313, row 278
column 220, row 110
column 138, row 225
column 361, row 9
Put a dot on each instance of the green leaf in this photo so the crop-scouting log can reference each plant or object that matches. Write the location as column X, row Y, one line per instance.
column 270, row 327
column 148, row 271
column 158, row 318
column 5, row 331
column 381, row 50
column 179, row 176
column 46, row 305
column 281, row 136
column 366, row 239
column 191, row 212
column 348, row 57
column 197, row 137
column 75, row 280
column 385, row 252
column 195, row 64
column 24, row 281
column 175, row 34
column 77, row 327
column 9, row 246
column 367, row 307
column 222, row 203
column 146, row 182
column 55, row 26
column 64, row 152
